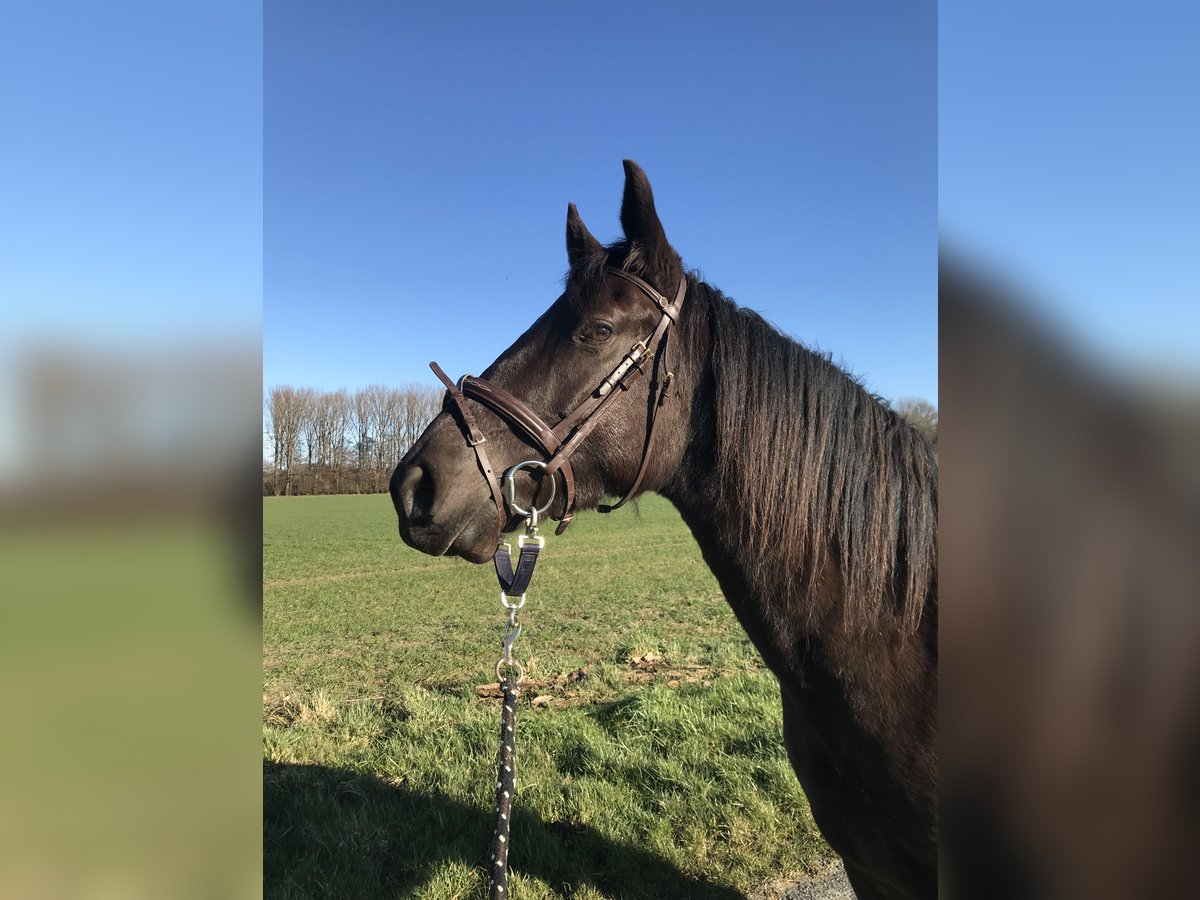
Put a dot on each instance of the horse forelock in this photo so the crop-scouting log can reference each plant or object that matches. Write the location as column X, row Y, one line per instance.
column 589, row 274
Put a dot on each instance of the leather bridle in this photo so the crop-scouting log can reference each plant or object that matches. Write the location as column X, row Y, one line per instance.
column 559, row 442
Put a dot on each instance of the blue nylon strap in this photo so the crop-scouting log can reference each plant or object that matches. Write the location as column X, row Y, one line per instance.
column 512, row 583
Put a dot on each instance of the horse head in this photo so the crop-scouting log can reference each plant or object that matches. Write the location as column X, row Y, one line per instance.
column 581, row 395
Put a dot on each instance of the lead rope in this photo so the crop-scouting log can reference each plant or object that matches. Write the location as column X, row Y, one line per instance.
column 510, row 673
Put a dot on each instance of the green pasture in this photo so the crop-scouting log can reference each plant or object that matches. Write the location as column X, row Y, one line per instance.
column 649, row 746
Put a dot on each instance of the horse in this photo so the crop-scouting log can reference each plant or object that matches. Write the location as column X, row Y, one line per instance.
column 813, row 503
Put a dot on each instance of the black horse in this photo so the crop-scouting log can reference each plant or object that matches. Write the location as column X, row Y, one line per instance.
column 814, row 504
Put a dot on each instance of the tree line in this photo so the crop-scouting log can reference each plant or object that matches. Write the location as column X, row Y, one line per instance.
column 341, row 442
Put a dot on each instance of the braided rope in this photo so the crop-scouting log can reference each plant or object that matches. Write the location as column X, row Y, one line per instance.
column 506, row 787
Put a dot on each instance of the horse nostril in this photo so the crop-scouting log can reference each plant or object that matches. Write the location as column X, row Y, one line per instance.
column 416, row 495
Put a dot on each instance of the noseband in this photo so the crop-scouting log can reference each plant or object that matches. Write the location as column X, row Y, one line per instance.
column 558, row 443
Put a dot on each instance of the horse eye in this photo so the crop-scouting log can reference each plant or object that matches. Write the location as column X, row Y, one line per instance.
column 598, row 333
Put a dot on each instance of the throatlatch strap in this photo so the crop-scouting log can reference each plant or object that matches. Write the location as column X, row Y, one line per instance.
column 662, row 384
column 512, row 584
column 506, row 786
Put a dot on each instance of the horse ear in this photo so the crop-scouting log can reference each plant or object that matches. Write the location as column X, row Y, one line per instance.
column 641, row 223
column 580, row 243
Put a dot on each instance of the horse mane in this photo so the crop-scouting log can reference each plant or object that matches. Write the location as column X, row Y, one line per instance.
column 812, row 467
column 817, row 467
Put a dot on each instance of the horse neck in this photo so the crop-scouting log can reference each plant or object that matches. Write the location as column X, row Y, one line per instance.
column 796, row 616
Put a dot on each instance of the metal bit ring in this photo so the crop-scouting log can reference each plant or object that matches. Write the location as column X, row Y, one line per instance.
column 508, row 487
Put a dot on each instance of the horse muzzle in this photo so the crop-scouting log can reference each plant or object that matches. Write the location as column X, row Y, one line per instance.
column 441, row 509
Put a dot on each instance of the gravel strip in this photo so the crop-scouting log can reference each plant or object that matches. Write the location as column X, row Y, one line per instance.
column 830, row 884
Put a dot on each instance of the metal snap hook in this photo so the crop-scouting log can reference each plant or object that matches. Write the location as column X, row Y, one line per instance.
column 508, row 487
column 509, row 639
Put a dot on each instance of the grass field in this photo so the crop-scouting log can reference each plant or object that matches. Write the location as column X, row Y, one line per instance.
column 650, row 755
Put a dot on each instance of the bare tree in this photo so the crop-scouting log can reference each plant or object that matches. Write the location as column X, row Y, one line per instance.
column 921, row 414
column 339, row 417
column 284, row 405
column 391, row 410
column 421, row 404
column 306, row 399
column 364, row 427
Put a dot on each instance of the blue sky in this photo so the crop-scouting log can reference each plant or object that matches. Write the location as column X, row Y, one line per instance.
column 417, row 170
column 419, row 161
column 131, row 187
column 1070, row 164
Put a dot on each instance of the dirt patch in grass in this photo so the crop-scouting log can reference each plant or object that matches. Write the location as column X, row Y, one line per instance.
column 650, row 667
column 562, row 690
column 555, row 692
